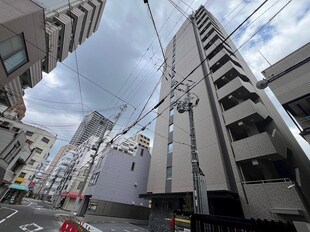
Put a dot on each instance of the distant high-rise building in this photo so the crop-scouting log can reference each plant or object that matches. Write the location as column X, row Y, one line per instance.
column 290, row 82
column 250, row 158
column 92, row 124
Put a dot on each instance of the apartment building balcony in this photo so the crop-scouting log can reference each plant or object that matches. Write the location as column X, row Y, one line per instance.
column 78, row 18
column 52, row 34
column 222, row 54
column 247, row 111
column 32, row 76
column 229, row 69
column 88, row 11
column 259, row 146
column 209, row 31
column 213, row 38
column 102, row 4
column 236, row 88
column 64, row 22
column 96, row 7
column 274, row 199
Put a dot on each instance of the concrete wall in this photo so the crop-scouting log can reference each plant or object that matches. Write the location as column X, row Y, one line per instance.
column 117, row 183
column 295, row 83
column 22, row 16
column 114, row 209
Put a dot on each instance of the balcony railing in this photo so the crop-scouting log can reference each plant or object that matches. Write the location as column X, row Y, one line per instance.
column 270, row 198
column 225, row 69
column 236, row 87
column 246, row 111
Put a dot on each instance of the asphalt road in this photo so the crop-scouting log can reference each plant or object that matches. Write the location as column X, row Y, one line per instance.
column 118, row 227
column 35, row 216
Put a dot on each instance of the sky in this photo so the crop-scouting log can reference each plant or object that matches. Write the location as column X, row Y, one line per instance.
column 120, row 62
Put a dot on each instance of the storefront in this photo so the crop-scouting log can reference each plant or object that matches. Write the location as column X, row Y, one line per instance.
column 14, row 194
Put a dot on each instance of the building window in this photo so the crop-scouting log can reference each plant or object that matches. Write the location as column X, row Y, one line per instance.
column 15, row 129
column 12, row 153
column 94, row 178
column 22, row 174
column 29, row 133
column 171, row 127
column 80, row 185
column 29, row 142
column 169, row 173
column 38, row 150
column 13, row 53
column 170, row 147
column 171, row 113
column 142, row 150
column 133, row 166
column 45, row 140
column 31, row 162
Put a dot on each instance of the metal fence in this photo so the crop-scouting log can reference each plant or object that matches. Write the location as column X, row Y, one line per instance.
column 211, row 223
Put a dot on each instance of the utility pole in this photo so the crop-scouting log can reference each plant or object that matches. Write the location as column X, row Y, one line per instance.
column 200, row 198
column 96, row 148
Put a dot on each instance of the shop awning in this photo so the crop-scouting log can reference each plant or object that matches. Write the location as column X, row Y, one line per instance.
column 18, row 187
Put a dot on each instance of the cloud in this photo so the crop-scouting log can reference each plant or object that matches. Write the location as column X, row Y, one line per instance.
column 125, row 52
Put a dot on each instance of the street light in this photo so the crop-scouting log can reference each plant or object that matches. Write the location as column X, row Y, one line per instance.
column 262, row 84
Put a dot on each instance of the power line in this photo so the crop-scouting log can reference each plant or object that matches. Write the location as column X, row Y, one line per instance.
column 191, row 72
column 96, row 84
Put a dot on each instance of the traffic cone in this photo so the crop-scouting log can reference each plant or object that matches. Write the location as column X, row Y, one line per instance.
column 69, row 228
column 64, row 226
column 74, row 229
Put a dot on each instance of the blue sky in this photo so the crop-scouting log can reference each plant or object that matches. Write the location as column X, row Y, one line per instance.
column 123, row 57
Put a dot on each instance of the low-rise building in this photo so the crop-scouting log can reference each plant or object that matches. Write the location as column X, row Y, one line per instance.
column 289, row 80
column 14, row 153
column 40, row 143
column 116, row 183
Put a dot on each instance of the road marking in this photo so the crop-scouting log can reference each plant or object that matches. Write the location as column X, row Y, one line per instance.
column 7, row 217
column 31, row 227
column 126, row 230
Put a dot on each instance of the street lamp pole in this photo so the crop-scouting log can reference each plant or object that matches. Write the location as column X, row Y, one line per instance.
column 200, row 198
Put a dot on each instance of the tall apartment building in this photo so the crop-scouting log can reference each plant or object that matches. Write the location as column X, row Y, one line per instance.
column 22, row 47
column 68, row 24
column 290, row 82
column 62, row 151
column 249, row 157
column 92, row 124
column 59, row 174
column 35, row 35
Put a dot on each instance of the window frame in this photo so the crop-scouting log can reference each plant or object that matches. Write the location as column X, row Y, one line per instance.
column 169, row 177
column 21, row 35
column 170, row 148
